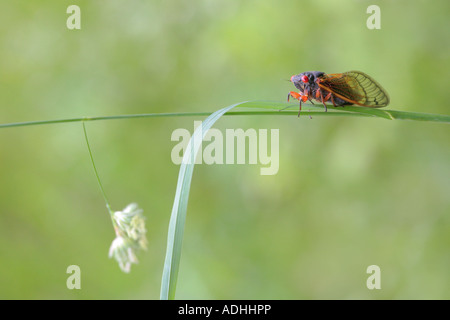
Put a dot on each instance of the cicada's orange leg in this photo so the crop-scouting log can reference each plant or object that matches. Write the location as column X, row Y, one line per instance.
column 324, row 99
column 300, row 97
column 294, row 95
column 332, row 100
column 328, row 97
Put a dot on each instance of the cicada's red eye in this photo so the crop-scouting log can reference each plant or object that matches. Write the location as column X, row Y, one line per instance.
column 305, row 79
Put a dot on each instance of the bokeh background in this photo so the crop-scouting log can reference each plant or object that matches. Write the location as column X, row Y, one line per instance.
column 350, row 192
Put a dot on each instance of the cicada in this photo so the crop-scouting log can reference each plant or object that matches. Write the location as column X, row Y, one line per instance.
column 348, row 88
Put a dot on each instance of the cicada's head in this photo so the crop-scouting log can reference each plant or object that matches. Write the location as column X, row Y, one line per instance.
column 304, row 81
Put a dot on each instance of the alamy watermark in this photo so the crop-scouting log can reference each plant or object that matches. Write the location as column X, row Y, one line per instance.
column 74, row 280
column 74, row 19
column 236, row 146
column 374, row 280
column 374, row 20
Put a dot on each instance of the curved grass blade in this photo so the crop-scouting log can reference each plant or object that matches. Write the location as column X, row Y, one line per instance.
column 178, row 216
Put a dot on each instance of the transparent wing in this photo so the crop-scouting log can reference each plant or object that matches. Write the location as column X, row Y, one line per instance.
column 355, row 87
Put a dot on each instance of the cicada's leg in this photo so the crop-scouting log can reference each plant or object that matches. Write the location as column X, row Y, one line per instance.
column 303, row 98
column 299, row 107
column 299, row 96
column 294, row 95
column 327, row 97
column 289, row 95
column 324, row 99
column 332, row 100
column 308, row 97
column 318, row 93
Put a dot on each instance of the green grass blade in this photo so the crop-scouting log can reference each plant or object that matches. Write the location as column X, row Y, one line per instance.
column 318, row 110
column 178, row 216
column 292, row 108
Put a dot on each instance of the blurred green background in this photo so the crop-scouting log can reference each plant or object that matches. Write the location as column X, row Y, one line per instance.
column 350, row 192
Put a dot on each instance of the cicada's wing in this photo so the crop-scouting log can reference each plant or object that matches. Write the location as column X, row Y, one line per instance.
column 355, row 87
